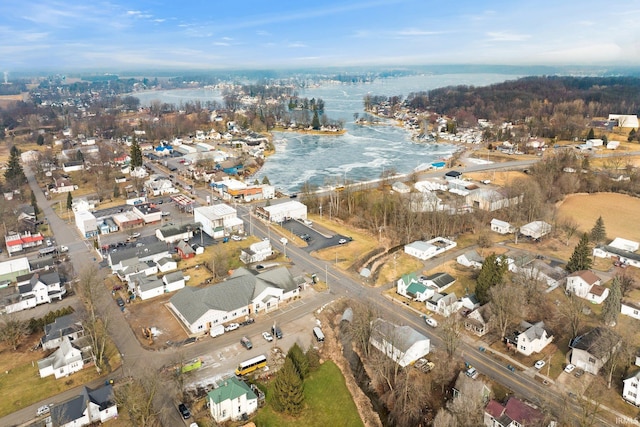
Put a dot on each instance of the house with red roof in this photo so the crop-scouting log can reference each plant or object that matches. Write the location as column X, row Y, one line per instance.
column 17, row 242
column 515, row 413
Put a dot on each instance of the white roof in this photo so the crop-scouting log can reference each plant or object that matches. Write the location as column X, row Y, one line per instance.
column 289, row 206
column 625, row 245
column 216, row 211
column 500, row 223
column 12, row 265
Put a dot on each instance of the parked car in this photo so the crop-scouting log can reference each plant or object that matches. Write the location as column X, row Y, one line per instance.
column 246, row 343
column 275, row 330
column 184, row 411
column 305, row 237
column 267, row 336
column 247, row 322
column 231, row 327
column 539, row 364
column 236, row 238
column 342, row 241
column 120, row 302
column 134, row 235
column 44, row 410
column 569, row 368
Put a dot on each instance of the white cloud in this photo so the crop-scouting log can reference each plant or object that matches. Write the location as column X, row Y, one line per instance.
column 296, row 45
column 506, row 36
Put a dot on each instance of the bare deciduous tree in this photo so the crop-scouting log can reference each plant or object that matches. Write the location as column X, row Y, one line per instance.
column 445, row 418
column 569, row 228
column 12, row 330
column 572, row 308
column 506, row 306
column 135, row 398
column 96, row 324
column 468, row 405
column 451, row 330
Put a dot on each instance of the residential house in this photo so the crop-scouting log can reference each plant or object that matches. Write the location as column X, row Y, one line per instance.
column 403, row 344
column 239, row 296
column 68, row 326
column 43, row 287
column 256, row 252
column 631, row 389
column 470, row 259
column 470, row 302
column 174, row 281
column 453, row 175
column 535, row 230
column 149, row 252
column 529, row 338
column 147, row 287
column 630, row 308
column 592, row 350
column 443, row 304
column 166, row 264
column 515, row 413
column 232, row 400
column 175, row 233
column 410, row 287
column 62, row 185
column 477, row 322
column 585, row 284
column 89, row 407
column 66, row 360
column 623, row 255
column 502, row 227
column 132, row 267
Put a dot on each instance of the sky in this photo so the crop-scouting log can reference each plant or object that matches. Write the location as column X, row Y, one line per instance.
column 192, row 34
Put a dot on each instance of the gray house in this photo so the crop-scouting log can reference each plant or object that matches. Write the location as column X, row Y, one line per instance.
column 592, row 350
column 66, row 326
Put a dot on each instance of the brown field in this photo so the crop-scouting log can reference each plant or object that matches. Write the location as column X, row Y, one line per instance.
column 500, row 178
column 617, row 210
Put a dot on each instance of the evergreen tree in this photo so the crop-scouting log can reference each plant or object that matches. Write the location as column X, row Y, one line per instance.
column 315, row 122
column 491, row 274
column 14, row 174
column 632, row 135
column 299, row 360
column 116, row 191
column 288, row 389
column 135, row 154
column 591, row 134
column 34, row 204
column 598, row 232
column 40, row 140
column 581, row 257
column 613, row 303
column 69, row 200
column 266, row 181
column 313, row 357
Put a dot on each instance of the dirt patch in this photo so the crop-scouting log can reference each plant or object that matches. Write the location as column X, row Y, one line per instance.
column 619, row 222
column 10, row 359
column 154, row 314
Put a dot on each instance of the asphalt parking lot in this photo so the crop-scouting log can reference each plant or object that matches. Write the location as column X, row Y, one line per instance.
column 316, row 239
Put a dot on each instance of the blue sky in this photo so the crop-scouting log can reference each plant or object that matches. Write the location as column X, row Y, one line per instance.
column 158, row 34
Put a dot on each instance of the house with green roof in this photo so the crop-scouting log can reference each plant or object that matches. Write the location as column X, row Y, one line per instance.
column 411, row 287
column 244, row 293
column 232, row 400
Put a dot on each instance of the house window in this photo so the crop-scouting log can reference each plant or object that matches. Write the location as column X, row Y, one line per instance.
column 632, row 395
column 635, row 312
column 199, row 326
column 523, row 347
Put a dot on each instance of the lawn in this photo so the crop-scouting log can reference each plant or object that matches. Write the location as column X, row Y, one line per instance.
column 327, row 403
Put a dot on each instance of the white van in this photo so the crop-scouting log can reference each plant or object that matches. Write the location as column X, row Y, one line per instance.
column 216, row 330
column 317, row 332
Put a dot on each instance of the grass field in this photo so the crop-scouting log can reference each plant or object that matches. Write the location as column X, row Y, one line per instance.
column 618, row 211
column 327, row 403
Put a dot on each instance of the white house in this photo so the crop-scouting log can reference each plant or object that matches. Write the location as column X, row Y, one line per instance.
column 585, row 284
column 477, row 322
column 89, row 407
column 63, row 362
column 403, row 344
column 231, row 400
column 426, row 250
column 592, row 350
column 535, row 230
column 173, row 281
column 166, row 264
column 242, row 294
column 410, row 287
column 444, row 304
column 622, row 255
column 630, row 308
column 502, row 227
column 68, row 326
column 530, row 338
column 470, row 259
column 630, row 389
column 86, row 223
column 147, row 287
column 256, row 252
column 43, row 287
column 625, row 120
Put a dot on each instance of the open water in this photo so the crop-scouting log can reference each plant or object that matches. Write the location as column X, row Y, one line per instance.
column 364, row 152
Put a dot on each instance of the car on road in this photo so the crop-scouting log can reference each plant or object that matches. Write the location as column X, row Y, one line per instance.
column 231, row 327
column 431, row 322
column 342, row 241
column 44, row 410
column 184, row 411
column 165, row 213
column 305, row 237
column 569, row 368
column 120, row 302
column 246, row 343
column 539, row 364
column 267, row 336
